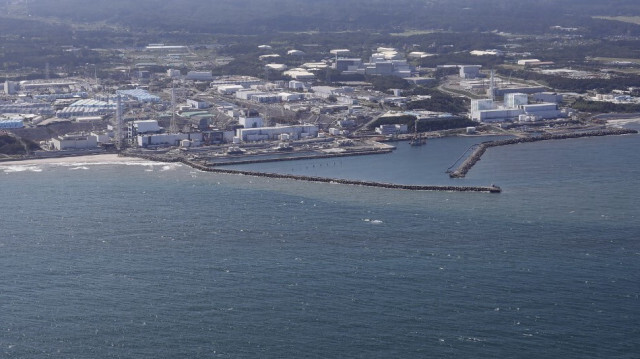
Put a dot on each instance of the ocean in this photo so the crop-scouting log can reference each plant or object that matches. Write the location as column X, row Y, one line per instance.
column 152, row 260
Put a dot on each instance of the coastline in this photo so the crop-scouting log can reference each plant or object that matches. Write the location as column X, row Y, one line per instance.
column 106, row 158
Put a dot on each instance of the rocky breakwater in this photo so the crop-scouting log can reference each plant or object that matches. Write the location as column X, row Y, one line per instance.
column 467, row 164
column 202, row 167
column 209, row 168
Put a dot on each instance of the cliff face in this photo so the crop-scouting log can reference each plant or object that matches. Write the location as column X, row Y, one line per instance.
column 11, row 145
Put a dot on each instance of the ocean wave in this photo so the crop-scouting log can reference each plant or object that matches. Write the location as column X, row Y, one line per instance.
column 20, row 168
column 373, row 221
column 169, row 167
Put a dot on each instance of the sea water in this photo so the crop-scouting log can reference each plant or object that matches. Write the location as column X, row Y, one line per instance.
column 152, row 260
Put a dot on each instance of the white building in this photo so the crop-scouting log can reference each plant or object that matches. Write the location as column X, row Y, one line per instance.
column 528, row 62
column 146, row 126
column 339, row 52
column 198, row 104
column 276, row 67
column 290, row 97
column 251, row 122
column 299, row 74
column 482, row 104
column 74, row 142
column 229, row 89
column 274, row 133
column 392, row 129
column 296, row 85
column 295, row 53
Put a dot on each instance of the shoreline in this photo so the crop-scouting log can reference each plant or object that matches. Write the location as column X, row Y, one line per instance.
column 104, row 158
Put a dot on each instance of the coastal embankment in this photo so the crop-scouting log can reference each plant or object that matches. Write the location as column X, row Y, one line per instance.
column 480, row 149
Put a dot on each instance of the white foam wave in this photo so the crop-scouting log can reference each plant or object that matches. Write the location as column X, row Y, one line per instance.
column 170, row 167
column 20, row 168
column 79, row 168
column 373, row 221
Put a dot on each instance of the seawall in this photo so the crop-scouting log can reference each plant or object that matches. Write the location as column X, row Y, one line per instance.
column 467, row 164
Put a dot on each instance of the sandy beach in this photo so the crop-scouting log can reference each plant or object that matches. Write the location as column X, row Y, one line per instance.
column 89, row 159
column 623, row 121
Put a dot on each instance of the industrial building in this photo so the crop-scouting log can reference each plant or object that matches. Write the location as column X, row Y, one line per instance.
column 198, row 104
column 392, row 129
column 84, row 108
column 296, row 85
column 169, row 139
column 140, row 95
column 251, row 122
column 516, row 108
column 199, row 76
column 244, row 81
column 274, row 133
column 550, row 97
column 143, row 127
column 229, row 89
column 15, row 122
column 498, row 92
column 11, row 88
column 299, row 74
column 74, row 142
column 512, row 100
column 27, row 108
column 347, row 64
column 173, row 73
column 470, row 71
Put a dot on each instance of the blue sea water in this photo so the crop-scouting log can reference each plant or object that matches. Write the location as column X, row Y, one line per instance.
column 161, row 261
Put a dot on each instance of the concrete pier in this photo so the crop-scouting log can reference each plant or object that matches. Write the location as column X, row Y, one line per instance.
column 467, row 164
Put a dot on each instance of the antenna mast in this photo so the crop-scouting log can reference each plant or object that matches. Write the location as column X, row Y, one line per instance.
column 119, row 123
column 173, row 128
column 492, row 87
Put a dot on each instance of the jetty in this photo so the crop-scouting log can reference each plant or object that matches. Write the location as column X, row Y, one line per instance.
column 216, row 168
column 479, row 150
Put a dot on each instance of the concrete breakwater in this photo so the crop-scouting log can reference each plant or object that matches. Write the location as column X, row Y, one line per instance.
column 295, row 158
column 467, row 164
column 208, row 168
